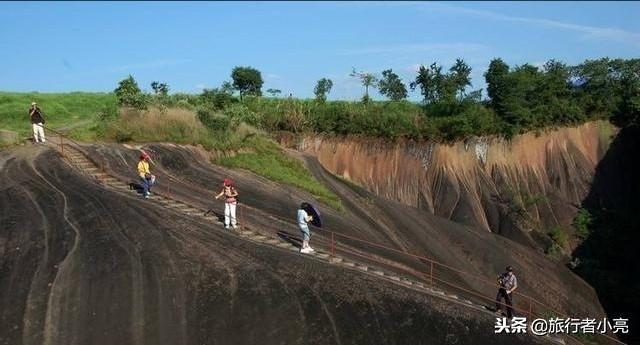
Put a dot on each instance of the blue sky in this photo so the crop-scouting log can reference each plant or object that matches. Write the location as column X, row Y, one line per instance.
column 90, row 46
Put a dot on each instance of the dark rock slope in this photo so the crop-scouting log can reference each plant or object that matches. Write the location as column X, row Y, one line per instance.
column 80, row 264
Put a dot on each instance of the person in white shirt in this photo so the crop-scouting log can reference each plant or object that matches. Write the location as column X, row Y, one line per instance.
column 37, row 123
column 303, row 219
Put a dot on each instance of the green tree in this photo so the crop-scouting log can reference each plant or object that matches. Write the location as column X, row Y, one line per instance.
column 217, row 98
column 323, row 87
column 128, row 93
column 435, row 86
column 628, row 112
column 460, row 77
column 160, row 89
column 582, row 223
column 426, row 82
column 367, row 79
column 497, row 85
column 274, row 92
column 391, row 86
column 247, row 80
column 227, row 87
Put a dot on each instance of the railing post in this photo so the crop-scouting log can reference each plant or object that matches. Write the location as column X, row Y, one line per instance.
column 333, row 253
column 431, row 274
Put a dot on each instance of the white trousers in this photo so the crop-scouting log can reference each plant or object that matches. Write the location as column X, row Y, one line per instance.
column 229, row 214
column 38, row 131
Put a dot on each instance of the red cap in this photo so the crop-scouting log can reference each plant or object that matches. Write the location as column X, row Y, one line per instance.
column 228, row 182
column 144, row 155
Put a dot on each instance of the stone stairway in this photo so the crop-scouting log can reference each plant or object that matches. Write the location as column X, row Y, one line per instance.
column 78, row 160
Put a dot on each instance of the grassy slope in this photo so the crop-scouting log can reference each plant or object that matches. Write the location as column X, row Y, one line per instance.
column 77, row 111
column 268, row 160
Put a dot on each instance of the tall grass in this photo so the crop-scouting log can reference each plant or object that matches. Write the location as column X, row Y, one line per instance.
column 76, row 111
column 173, row 125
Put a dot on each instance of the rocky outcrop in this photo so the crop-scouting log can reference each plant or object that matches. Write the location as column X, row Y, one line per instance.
column 81, row 264
column 520, row 188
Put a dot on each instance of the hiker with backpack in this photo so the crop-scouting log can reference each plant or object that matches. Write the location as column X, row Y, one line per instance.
column 146, row 178
column 507, row 284
column 37, row 123
column 230, row 202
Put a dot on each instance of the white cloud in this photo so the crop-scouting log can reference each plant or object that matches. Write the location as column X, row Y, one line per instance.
column 592, row 32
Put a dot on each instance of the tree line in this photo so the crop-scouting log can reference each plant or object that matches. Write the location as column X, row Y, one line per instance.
column 518, row 98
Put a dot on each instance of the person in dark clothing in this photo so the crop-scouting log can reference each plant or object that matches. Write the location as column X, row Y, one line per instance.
column 508, row 283
column 37, row 123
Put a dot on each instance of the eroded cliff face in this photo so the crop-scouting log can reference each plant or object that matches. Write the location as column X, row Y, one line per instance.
column 533, row 182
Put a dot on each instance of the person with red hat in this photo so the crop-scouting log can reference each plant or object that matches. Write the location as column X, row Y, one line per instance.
column 230, row 202
column 147, row 179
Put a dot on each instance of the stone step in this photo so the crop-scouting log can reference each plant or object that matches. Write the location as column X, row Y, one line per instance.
column 360, row 267
column 407, row 281
column 322, row 255
column 191, row 211
column 84, row 165
column 183, row 208
column 376, row 272
column 175, row 205
column 351, row 264
column 336, row 259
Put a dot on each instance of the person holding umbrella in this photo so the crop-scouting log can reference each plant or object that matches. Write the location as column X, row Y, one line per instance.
column 230, row 202
column 307, row 214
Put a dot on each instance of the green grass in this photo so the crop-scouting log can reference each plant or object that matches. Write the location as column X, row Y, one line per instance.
column 75, row 112
column 268, row 160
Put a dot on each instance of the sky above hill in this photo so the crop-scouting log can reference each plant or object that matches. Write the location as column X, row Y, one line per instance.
column 90, row 46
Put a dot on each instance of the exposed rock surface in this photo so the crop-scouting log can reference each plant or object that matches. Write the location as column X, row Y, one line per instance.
column 83, row 265
column 520, row 189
